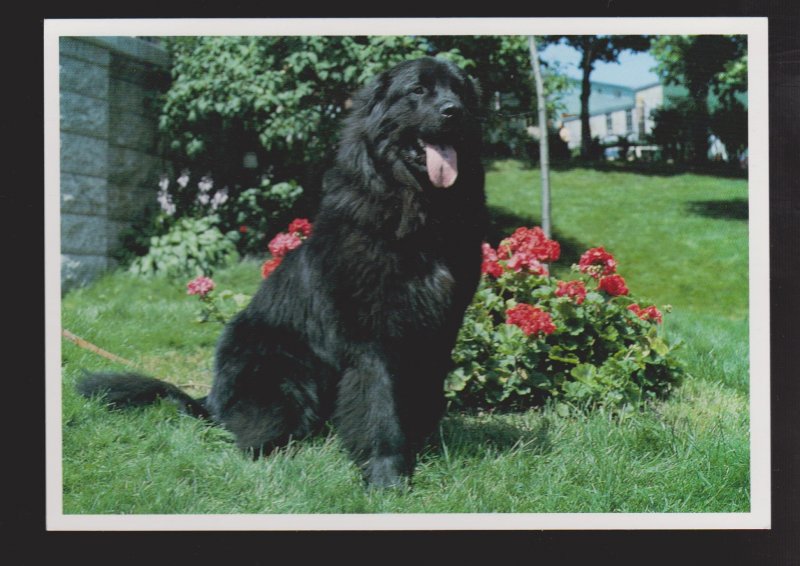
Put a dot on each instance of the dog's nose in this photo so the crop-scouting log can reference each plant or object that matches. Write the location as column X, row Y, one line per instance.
column 450, row 109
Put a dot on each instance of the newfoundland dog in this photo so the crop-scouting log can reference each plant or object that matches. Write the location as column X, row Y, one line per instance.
column 357, row 325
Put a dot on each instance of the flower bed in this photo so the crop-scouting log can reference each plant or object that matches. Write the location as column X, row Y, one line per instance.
column 528, row 337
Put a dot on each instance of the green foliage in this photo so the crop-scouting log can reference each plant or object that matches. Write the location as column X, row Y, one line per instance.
column 702, row 62
column 729, row 124
column 281, row 97
column 706, row 65
column 221, row 306
column 733, row 77
column 600, row 354
column 257, row 213
column 248, row 217
column 191, row 246
column 673, row 128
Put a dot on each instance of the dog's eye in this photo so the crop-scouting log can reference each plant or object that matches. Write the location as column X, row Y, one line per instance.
column 419, row 90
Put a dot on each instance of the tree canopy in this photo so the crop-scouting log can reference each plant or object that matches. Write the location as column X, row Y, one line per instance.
column 278, row 97
column 706, row 65
column 281, row 97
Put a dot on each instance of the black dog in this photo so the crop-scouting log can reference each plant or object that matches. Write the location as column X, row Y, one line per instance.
column 357, row 325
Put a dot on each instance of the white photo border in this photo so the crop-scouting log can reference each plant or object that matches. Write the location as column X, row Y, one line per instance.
column 759, row 516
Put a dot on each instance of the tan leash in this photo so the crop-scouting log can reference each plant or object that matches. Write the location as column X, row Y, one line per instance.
column 86, row 345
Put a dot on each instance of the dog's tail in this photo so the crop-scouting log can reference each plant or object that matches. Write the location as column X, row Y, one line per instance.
column 134, row 390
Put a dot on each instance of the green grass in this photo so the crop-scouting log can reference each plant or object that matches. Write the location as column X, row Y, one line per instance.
column 680, row 240
column 689, row 453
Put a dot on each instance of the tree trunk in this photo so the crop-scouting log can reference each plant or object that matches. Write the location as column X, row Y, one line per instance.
column 586, row 91
column 699, row 129
column 544, row 143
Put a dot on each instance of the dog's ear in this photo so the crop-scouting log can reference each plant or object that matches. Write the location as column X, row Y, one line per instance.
column 477, row 90
column 372, row 94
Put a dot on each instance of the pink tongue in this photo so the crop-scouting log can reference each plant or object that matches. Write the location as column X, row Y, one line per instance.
column 442, row 164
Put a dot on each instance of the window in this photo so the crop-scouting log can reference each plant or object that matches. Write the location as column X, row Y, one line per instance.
column 609, row 124
column 629, row 120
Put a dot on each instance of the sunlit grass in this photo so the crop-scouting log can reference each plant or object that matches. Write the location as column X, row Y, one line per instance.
column 689, row 453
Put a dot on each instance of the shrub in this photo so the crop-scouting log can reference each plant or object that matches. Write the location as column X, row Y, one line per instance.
column 247, row 218
column 256, row 212
column 191, row 246
column 217, row 306
column 528, row 337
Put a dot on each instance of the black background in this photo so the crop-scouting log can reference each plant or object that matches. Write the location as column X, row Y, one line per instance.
column 22, row 414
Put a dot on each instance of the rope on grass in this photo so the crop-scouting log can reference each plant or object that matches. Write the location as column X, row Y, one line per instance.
column 86, row 345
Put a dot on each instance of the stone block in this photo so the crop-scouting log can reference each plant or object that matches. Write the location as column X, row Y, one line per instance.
column 133, row 98
column 126, row 203
column 79, row 270
column 133, row 168
column 81, row 114
column 134, row 48
column 83, row 78
column 84, row 155
column 81, row 194
column 79, row 48
column 83, row 234
column 131, row 71
column 133, row 131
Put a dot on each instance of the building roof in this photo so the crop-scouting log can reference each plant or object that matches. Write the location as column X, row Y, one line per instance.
column 648, row 85
column 607, row 97
column 604, row 98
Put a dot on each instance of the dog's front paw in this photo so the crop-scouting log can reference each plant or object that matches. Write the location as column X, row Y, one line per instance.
column 386, row 472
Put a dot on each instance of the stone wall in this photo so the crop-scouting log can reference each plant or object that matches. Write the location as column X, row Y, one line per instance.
column 110, row 158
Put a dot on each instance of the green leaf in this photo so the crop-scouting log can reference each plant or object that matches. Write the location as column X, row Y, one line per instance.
column 558, row 353
column 659, row 346
column 609, row 333
column 562, row 410
column 540, row 380
column 584, row 373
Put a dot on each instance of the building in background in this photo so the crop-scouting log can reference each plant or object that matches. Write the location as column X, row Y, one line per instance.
column 616, row 113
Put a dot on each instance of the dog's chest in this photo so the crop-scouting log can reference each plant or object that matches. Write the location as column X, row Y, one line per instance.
column 421, row 303
column 435, row 287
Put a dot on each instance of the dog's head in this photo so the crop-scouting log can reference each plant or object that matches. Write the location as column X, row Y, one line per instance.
column 418, row 120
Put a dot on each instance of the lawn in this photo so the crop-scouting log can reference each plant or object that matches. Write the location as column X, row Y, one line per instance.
column 680, row 240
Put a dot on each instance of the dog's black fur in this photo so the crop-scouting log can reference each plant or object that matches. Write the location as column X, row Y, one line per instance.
column 357, row 325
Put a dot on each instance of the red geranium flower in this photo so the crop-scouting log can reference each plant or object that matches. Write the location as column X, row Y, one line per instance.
column 649, row 313
column 654, row 314
column 527, row 249
column 530, row 319
column 614, row 285
column 597, row 262
column 269, row 266
column 243, row 229
column 300, row 226
column 283, row 243
column 200, row 285
column 532, row 243
column 490, row 265
column 572, row 289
